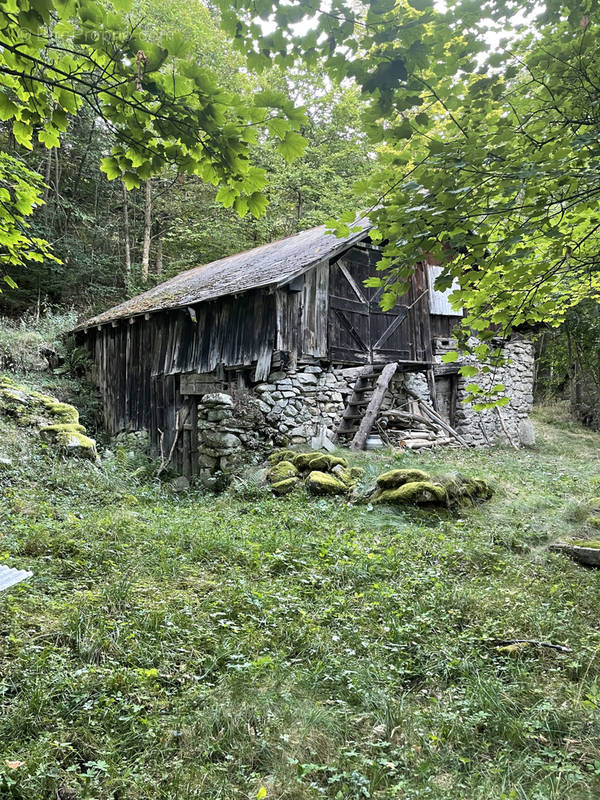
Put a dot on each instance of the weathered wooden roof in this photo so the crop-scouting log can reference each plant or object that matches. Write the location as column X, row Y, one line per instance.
column 269, row 264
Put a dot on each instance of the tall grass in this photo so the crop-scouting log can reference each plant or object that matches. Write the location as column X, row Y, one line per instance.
column 23, row 340
column 186, row 646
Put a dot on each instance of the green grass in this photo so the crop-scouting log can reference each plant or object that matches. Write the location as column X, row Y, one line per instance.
column 203, row 646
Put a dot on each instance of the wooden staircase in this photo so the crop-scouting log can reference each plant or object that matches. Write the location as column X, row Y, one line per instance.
column 364, row 404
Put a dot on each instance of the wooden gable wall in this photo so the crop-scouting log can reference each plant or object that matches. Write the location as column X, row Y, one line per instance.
column 329, row 314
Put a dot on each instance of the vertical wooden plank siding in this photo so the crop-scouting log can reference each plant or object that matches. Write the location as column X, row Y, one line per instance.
column 138, row 365
column 314, row 311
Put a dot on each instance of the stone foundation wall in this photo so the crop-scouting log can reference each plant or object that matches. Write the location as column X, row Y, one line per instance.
column 506, row 424
column 230, row 429
column 294, row 405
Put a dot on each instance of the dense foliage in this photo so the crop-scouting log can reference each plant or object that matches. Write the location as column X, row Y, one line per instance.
column 108, row 242
column 161, row 106
column 568, row 364
column 488, row 131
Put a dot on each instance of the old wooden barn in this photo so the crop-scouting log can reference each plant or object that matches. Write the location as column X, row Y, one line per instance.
column 278, row 309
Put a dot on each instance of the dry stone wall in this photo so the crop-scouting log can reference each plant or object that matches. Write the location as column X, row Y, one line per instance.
column 294, row 405
column 229, row 429
column 506, row 424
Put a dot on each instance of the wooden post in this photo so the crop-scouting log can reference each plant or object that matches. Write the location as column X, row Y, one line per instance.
column 453, row 400
column 432, row 389
column 194, row 435
column 370, row 416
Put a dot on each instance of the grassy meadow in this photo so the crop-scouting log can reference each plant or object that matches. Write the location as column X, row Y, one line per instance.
column 180, row 646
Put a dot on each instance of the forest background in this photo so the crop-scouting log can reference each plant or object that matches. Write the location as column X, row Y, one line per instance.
column 110, row 241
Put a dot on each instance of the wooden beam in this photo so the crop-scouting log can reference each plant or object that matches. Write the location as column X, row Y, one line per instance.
column 383, row 381
column 350, row 278
column 432, row 389
column 425, row 409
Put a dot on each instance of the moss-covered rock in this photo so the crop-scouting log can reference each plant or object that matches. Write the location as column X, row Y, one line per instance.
column 417, row 492
column 462, row 490
column 592, row 543
column 398, row 477
column 593, row 522
column 285, row 486
column 281, row 455
column 321, row 462
column 281, row 471
column 483, row 489
column 357, row 472
column 324, row 483
column 594, row 504
column 73, row 443
column 301, row 460
column 344, row 475
column 34, row 408
column 55, row 421
column 49, row 432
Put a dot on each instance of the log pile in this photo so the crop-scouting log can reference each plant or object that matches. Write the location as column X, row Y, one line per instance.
column 418, row 427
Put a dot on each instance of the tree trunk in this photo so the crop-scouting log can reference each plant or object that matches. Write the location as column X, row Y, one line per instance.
column 47, row 179
column 159, row 254
column 126, row 234
column 147, row 233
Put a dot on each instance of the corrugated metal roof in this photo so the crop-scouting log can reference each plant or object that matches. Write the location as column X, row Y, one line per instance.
column 9, row 576
column 438, row 301
column 272, row 263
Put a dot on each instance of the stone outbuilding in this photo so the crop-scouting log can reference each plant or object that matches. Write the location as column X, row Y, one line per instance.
column 267, row 345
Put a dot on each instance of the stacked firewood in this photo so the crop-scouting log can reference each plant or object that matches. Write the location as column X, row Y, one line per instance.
column 416, row 427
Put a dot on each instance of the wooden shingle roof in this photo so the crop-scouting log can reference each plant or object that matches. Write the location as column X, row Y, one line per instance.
column 275, row 263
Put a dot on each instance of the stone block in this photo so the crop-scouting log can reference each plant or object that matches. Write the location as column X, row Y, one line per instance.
column 217, row 399
column 207, row 462
column 221, row 440
column 219, row 414
column 305, row 379
column 526, row 433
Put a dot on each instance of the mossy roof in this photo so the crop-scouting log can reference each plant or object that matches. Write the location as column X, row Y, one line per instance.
column 269, row 264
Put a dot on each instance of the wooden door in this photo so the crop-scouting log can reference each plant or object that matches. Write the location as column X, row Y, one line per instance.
column 359, row 331
column 348, row 318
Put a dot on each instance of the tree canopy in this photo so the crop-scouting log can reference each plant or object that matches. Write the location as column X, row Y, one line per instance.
column 487, row 128
column 162, row 108
column 484, row 123
column 100, row 235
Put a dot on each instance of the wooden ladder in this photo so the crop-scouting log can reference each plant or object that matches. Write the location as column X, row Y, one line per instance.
column 364, row 404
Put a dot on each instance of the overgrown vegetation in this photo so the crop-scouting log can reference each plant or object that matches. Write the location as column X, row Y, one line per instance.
column 568, row 365
column 193, row 646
